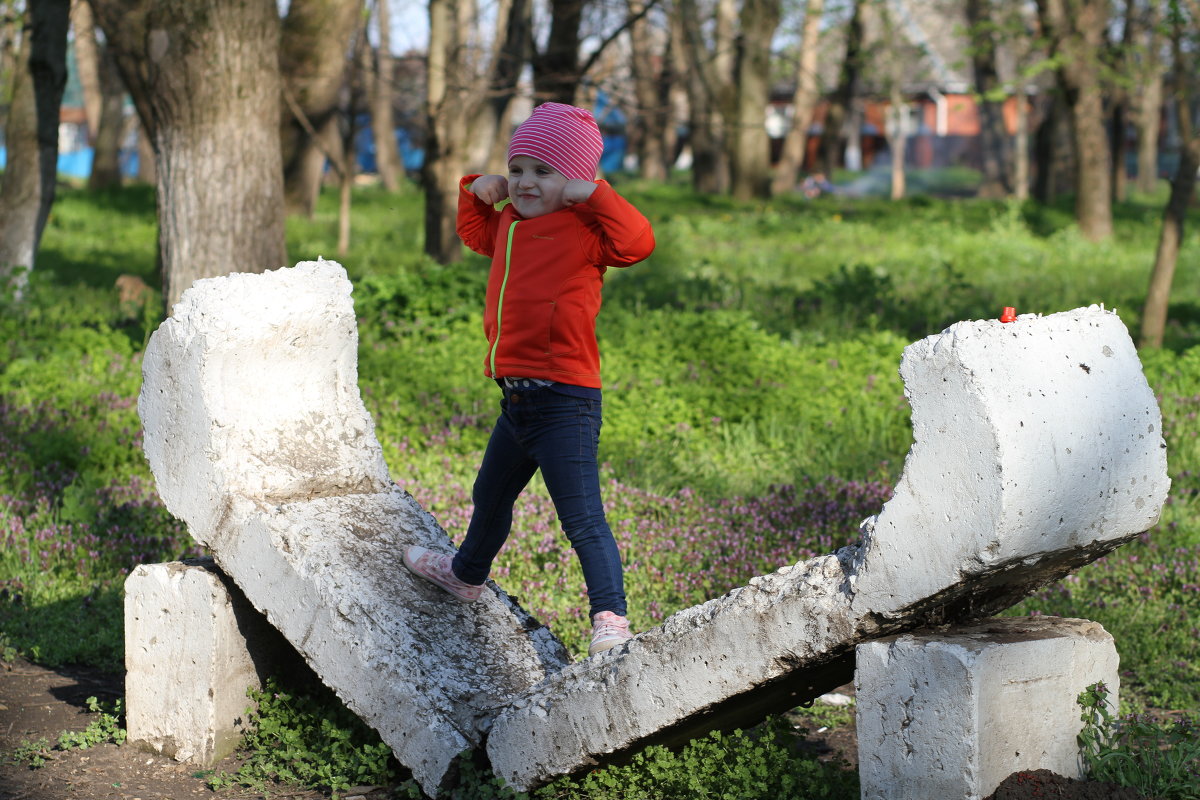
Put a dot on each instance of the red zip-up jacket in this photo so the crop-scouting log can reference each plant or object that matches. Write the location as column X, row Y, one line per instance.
column 544, row 285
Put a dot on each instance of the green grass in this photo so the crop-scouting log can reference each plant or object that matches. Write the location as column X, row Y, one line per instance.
column 753, row 415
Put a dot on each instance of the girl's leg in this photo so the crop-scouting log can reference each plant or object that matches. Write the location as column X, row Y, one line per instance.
column 505, row 471
column 565, row 447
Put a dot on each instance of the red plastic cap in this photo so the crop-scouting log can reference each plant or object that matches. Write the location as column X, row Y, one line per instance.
column 1009, row 315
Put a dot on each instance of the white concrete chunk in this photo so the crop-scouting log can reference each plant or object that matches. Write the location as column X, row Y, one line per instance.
column 258, row 439
column 1037, row 449
column 952, row 713
column 192, row 650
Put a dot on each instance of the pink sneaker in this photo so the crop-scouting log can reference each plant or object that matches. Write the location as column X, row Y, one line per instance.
column 435, row 568
column 608, row 631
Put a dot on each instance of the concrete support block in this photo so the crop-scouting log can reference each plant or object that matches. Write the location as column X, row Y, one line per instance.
column 953, row 713
column 193, row 647
column 258, row 439
column 1038, row 448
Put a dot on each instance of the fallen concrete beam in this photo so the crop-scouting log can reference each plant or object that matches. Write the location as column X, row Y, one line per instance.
column 953, row 712
column 258, row 440
column 1037, row 449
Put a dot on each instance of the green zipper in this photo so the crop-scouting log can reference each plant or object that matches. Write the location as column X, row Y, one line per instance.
column 500, row 301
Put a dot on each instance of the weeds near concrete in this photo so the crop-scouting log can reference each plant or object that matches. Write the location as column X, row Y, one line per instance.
column 1161, row 760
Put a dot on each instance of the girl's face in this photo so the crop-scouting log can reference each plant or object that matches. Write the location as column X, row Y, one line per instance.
column 536, row 188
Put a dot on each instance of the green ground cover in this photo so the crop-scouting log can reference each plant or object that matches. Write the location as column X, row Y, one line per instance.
column 754, row 415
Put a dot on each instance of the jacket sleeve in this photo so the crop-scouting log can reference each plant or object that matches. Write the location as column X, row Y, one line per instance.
column 477, row 221
column 623, row 236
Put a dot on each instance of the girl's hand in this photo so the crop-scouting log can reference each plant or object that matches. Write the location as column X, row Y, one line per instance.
column 577, row 191
column 491, row 189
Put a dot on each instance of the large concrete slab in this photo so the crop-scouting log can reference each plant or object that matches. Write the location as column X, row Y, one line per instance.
column 1037, row 449
column 258, row 439
column 953, row 712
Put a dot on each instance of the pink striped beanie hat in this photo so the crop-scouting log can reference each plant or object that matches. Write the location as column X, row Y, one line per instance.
column 565, row 137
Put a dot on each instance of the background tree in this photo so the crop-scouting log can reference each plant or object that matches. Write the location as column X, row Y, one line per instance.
column 843, row 94
column 39, row 75
column 381, row 88
column 103, row 98
column 313, row 50
column 983, row 32
column 804, row 101
column 204, row 75
column 733, row 66
column 1146, row 109
column 653, row 80
column 464, row 69
column 706, row 131
column 1075, row 31
column 1185, row 23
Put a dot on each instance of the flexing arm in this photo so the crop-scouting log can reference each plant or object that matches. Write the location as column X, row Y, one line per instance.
column 624, row 235
column 477, row 218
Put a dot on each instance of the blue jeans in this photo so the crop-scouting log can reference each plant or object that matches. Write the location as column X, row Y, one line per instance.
column 539, row 427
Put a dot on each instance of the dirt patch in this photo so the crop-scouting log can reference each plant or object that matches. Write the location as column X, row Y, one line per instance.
column 38, row 703
column 1045, row 785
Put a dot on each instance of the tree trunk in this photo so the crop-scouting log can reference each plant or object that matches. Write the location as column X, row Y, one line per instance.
column 897, row 140
column 750, row 157
column 1183, row 190
column 383, row 123
column 87, row 63
column 32, row 139
column 651, row 88
column 804, row 102
column 313, row 52
column 702, row 138
column 843, row 95
column 1053, row 151
column 1148, row 104
column 1076, row 28
column 1021, row 148
column 993, row 138
column 208, row 73
column 103, row 98
column 556, row 70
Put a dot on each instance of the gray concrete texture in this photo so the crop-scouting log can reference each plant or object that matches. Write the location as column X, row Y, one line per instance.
column 1037, row 449
column 953, row 712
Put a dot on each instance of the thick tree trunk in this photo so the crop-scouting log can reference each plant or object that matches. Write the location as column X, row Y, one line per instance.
column 207, row 75
column 556, row 70
column 750, row 156
column 651, row 87
column 1076, row 28
column 804, row 102
column 1054, row 151
column 103, row 98
column 993, row 138
column 382, row 90
column 32, row 139
column 710, row 92
column 843, row 95
column 1147, row 105
column 313, row 53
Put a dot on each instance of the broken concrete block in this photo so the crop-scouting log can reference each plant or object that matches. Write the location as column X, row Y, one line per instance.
column 1037, row 449
column 952, row 713
column 258, row 439
column 193, row 647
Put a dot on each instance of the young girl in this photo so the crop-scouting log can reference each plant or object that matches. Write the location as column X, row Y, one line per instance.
column 550, row 247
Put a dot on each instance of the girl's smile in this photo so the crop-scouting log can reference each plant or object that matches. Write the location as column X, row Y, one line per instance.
column 536, row 188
